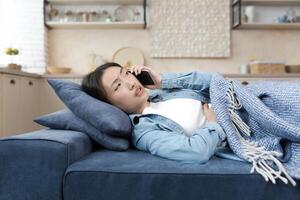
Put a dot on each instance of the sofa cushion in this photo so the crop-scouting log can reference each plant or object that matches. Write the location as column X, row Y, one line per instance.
column 139, row 175
column 106, row 118
column 66, row 120
column 32, row 165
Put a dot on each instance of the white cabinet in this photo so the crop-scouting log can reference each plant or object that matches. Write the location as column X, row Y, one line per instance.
column 22, row 99
column 29, row 103
column 1, row 109
column 49, row 102
column 19, row 104
column 249, row 79
column 11, row 107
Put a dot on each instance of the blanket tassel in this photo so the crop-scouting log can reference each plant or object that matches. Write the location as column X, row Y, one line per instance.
column 255, row 154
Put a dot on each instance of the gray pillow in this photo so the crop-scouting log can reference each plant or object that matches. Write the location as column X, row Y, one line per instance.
column 106, row 118
column 66, row 120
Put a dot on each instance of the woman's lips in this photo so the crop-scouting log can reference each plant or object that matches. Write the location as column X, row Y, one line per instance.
column 139, row 91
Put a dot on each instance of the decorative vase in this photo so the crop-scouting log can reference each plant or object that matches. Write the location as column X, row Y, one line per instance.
column 251, row 14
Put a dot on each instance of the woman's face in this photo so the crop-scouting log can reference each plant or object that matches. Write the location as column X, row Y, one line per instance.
column 124, row 90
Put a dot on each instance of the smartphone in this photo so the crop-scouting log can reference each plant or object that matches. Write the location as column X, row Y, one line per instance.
column 144, row 78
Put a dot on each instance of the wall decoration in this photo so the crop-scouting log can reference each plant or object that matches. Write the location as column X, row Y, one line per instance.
column 190, row 28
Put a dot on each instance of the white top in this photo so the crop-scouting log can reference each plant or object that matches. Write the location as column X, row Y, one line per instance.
column 186, row 112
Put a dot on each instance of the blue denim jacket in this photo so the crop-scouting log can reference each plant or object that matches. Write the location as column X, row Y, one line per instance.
column 164, row 137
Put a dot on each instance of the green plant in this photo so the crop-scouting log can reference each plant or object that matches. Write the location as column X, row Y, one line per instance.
column 12, row 52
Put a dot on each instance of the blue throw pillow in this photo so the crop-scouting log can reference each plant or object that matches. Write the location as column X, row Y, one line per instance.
column 106, row 118
column 65, row 119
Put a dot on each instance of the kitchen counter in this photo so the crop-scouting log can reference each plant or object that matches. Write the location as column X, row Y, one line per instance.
column 34, row 75
column 72, row 76
column 18, row 73
column 286, row 75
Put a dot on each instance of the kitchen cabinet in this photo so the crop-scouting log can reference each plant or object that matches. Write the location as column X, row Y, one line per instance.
column 266, row 14
column 49, row 101
column 11, row 106
column 22, row 99
column 19, row 104
column 30, row 103
column 246, row 79
column 95, row 14
column 1, row 103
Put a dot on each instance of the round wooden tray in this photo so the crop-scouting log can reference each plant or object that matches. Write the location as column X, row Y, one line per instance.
column 128, row 56
column 58, row 70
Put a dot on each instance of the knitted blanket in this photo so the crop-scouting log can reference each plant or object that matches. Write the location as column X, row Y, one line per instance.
column 262, row 124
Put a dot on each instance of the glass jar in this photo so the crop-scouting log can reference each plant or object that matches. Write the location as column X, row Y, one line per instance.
column 82, row 16
column 137, row 15
column 52, row 13
column 93, row 16
column 104, row 16
column 69, row 16
column 78, row 16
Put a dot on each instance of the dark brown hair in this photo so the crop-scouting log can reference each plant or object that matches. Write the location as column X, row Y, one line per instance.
column 91, row 82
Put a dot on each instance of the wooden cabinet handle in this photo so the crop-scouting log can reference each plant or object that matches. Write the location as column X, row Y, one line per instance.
column 30, row 83
column 12, row 81
column 245, row 83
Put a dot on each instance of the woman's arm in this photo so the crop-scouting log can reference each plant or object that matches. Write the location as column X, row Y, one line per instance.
column 197, row 148
column 196, row 80
column 193, row 80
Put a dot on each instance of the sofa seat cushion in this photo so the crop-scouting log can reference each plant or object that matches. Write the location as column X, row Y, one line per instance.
column 137, row 175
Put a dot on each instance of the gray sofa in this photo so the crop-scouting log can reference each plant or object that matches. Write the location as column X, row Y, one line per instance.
column 59, row 164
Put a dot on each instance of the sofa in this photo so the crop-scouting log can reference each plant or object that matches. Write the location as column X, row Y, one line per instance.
column 85, row 153
column 54, row 164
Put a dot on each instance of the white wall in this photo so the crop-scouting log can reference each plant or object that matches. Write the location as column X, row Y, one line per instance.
column 22, row 27
column 72, row 47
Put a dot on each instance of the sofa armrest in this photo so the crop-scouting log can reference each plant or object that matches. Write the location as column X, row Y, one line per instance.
column 33, row 164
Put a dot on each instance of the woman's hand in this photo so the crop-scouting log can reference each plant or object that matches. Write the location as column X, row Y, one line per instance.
column 209, row 113
column 156, row 77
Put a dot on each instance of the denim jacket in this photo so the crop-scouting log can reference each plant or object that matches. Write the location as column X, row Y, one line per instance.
column 164, row 137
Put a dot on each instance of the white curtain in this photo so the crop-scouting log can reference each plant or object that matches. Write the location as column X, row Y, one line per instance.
column 22, row 27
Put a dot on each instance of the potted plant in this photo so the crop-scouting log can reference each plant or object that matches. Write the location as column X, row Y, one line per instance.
column 12, row 52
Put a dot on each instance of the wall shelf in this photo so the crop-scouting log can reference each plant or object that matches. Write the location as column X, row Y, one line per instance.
column 285, row 26
column 86, row 23
column 264, row 22
column 271, row 2
column 93, row 2
column 95, row 25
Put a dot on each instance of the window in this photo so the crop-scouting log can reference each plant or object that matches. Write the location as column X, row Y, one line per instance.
column 22, row 27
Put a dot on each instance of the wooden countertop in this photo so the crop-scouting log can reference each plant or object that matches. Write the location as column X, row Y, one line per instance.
column 33, row 75
column 18, row 73
column 75, row 76
column 286, row 75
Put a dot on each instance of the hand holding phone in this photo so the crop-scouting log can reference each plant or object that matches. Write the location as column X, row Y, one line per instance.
column 144, row 78
column 149, row 78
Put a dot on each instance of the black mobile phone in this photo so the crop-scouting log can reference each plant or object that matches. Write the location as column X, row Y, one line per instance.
column 144, row 78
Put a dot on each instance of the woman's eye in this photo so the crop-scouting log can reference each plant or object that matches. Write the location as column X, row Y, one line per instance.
column 127, row 72
column 119, row 84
